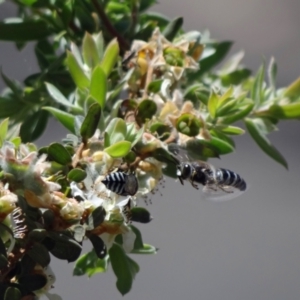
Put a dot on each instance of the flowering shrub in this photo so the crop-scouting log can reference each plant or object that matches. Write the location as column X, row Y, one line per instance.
column 127, row 84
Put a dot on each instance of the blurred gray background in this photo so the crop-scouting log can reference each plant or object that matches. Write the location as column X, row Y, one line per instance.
column 244, row 249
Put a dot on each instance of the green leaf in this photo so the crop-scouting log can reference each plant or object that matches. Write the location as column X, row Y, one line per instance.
column 147, row 249
column 272, row 72
column 255, row 130
column 9, row 107
column 145, row 111
column 133, row 135
column 173, row 28
column 138, row 243
column 287, row 111
column 77, row 73
column 59, row 153
column 3, row 131
column 232, row 130
column 23, row 31
column 116, row 131
column 119, row 149
column 163, row 155
column 110, row 56
column 33, row 126
column 154, row 86
column 66, row 119
column 99, row 41
column 222, row 147
column 257, row 87
column 12, row 293
column 32, row 282
column 90, row 264
column 97, row 217
column 121, row 268
column 65, row 247
column 207, row 63
column 57, row 95
column 293, row 90
column 89, row 51
column 213, row 104
column 140, row 214
column 244, row 111
column 3, row 261
column 91, row 121
column 99, row 246
column 98, row 86
column 77, row 175
column 13, row 85
column 39, row 254
column 236, row 77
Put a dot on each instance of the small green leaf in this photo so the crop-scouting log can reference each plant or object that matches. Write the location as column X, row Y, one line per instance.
column 147, row 249
column 59, row 153
column 243, row 112
column 145, row 111
column 23, row 31
column 99, row 41
column 236, row 77
column 91, row 121
column 293, row 90
column 33, row 126
column 213, row 104
column 98, row 86
column 116, row 131
column 97, row 217
column 287, row 111
column 233, row 130
column 154, row 86
column 12, row 293
column 173, row 28
column 163, row 155
column 66, row 119
column 253, row 126
column 272, row 72
column 57, row 95
column 138, row 243
column 99, row 246
column 140, row 214
column 222, row 147
column 121, row 268
column 89, row 51
column 3, row 261
column 16, row 141
column 119, row 149
column 220, row 51
column 65, row 247
column 77, row 175
column 90, row 264
column 257, row 87
column 39, row 254
column 13, row 85
column 3, row 130
column 77, row 73
column 32, row 282
column 9, row 107
column 110, row 56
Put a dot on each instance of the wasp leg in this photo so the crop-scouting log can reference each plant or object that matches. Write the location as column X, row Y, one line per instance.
column 194, row 185
column 224, row 190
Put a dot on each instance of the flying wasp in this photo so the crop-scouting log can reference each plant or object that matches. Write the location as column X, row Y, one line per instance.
column 218, row 184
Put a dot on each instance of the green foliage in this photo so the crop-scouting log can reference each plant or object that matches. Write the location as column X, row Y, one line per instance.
column 127, row 84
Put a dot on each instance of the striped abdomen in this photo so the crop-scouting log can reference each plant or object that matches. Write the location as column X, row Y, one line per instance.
column 230, row 178
column 121, row 183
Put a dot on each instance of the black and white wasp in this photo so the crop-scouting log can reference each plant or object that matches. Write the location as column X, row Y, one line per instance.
column 121, row 183
column 218, row 184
